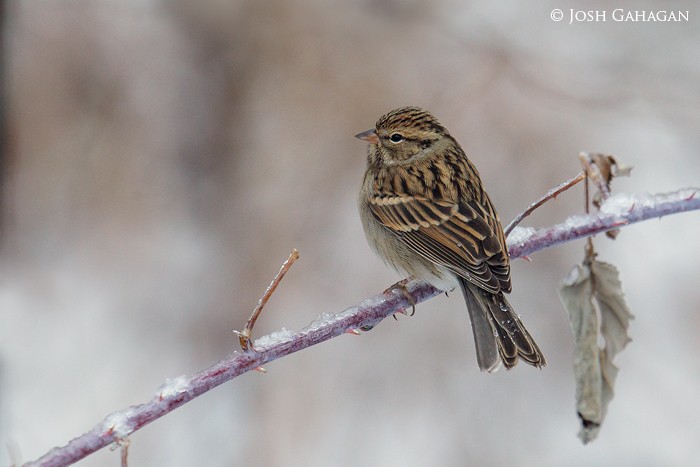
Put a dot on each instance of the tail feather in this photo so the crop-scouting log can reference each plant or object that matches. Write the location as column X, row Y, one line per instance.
column 499, row 334
column 486, row 347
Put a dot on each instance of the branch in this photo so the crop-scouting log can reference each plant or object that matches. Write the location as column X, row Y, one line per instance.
column 619, row 210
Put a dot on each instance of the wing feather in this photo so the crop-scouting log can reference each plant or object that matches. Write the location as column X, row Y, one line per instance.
column 463, row 237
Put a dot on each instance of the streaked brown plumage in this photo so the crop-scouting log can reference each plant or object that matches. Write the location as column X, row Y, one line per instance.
column 425, row 212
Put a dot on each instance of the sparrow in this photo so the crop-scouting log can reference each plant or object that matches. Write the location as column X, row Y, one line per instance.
column 425, row 213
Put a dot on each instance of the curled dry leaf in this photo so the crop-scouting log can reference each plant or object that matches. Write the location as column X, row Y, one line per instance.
column 594, row 370
column 601, row 169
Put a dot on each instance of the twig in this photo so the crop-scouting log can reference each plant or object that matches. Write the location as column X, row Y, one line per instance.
column 618, row 211
column 244, row 336
column 553, row 193
column 125, row 452
column 587, row 196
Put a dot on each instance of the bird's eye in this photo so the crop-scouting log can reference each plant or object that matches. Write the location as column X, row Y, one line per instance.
column 396, row 138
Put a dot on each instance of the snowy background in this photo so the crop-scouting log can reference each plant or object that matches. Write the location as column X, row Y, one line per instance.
column 165, row 157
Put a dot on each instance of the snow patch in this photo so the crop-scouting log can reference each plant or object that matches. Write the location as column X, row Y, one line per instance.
column 121, row 424
column 173, row 387
column 278, row 337
column 325, row 320
column 519, row 234
column 621, row 203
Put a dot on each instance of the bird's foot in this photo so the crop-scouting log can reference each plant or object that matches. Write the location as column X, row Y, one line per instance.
column 401, row 286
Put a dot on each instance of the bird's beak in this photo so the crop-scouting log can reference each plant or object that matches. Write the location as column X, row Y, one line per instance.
column 370, row 136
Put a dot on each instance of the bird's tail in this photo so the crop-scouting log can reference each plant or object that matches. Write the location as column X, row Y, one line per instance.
column 498, row 332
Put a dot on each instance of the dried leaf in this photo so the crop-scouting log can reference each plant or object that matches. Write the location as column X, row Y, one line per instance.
column 612, row 234
column 608, row 168
column 622, row 170
column 601, row 169
column 576, row 294
column 605, row 165
column 615, row 315
column 593, row 368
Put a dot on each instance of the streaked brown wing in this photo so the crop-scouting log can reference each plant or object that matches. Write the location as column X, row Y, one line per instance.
column 462, row 237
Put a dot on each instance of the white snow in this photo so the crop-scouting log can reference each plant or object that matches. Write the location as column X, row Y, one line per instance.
column 276, row 338
column 120, row 423
column 576, row 221
column 173, row 387
column 619, row 204
column 519, row 234
column 324, row 320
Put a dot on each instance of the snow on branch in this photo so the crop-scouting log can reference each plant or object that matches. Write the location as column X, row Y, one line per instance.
column 617, row 211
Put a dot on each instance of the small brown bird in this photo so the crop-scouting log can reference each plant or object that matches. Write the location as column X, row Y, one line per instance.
column 425, row 212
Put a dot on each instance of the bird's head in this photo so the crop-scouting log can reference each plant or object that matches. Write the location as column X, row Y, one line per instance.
column 404, row 135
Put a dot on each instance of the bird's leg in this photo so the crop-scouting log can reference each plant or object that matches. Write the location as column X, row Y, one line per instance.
column 401, row 286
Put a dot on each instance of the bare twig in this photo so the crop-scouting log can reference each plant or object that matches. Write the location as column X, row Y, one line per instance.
column 244, row 336
column 587, row 197
column 125, row 452
column 620, row 210
column 553, row 193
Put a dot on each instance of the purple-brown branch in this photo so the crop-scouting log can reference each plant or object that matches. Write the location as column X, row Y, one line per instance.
column 619, row 210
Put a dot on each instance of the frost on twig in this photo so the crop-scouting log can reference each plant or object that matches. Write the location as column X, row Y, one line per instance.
column 588, row 284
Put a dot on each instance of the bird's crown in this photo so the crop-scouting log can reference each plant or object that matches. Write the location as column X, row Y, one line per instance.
column 412, row 118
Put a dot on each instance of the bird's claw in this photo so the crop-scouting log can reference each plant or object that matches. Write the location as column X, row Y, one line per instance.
column 401, row 286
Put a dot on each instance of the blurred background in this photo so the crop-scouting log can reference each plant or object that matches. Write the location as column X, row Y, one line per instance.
column 161, row 159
